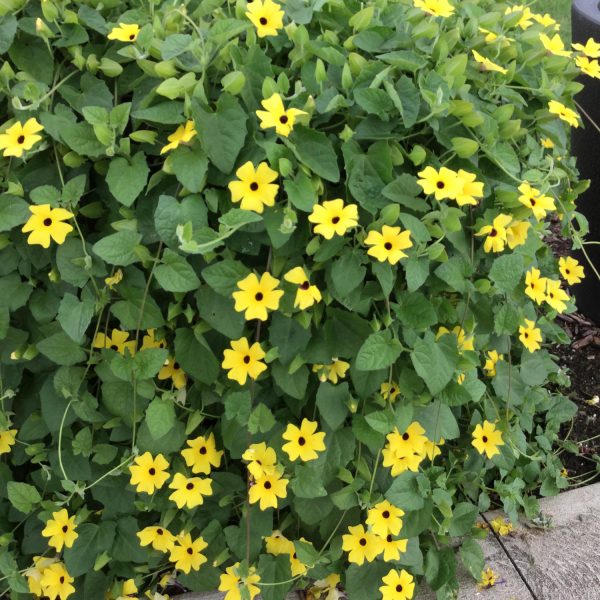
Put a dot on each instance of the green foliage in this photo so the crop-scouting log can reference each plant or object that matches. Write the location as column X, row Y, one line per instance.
column 158, row 244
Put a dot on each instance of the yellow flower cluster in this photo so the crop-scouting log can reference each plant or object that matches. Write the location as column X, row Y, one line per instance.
column 406, row 451
column 238, row 584
column 48, row 577
column 543, row 289
column 278, row 545
column 446, row 184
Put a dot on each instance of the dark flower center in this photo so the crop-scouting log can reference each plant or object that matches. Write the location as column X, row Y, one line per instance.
column 48, row 222
column 526, row 334
column 399, row 588
column 532, row 201
column 202, row 450
column 189, row 486
column 388, row 539
column 388, row 245
column 20, row 139
column 306, row 285
column 362, row 542
column 493, row 233
column 440, row 185
column 190, row 551
column 385, row 514
column 159, row 531
column 283, row 119
column 254, row 186
column 114, row 347
column 267, row 485
column 132, row 37
column 65, row 528
column 392, row 390
column 301, row 441
column 484, row 439
column 62, row 579
column 405, row 436
column 567, row 271
column 176, row 366
column 295, row 555
column 263, row 21
column 246, row 359
column 335, row 220
column 152, row 471
column 259, row 296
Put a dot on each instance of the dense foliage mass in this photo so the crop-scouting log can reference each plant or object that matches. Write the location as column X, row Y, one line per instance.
column 277, row 310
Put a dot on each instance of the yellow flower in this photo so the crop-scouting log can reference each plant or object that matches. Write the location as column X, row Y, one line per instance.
column 257, row 296
column 266, row 16
column 262, row 460
column 488, row 579
column 461, row 378
column 35, row 573
column 411, row 440
column 326, row 589
column 399, row 585
column 296, row 565
column 443, row 184
column 202, row 454
column 160, row 538
column 182, row 135
column 361, row 545
column 117, row 341
column 254, row 188
column 243, row 361
column 275, row 115
column 546, row 20
column 7, row 439
column 148, row 473
column 535, row 285
column 491, row 362
column 392, row 549
column 128, row 590
column 187, row 553
column 385, row 518
column 172, row 370
column 556, row 297
column 304, row 442
column 18, row 138
column 547, row 143
column 233, row 584
column 267, row 489
column 149, row 341
column 46, row 223
column 388, row 244
column 124, row 32
column 490, row 36
column 571, row 270
column 486, row 439
column 431, row 449
column 189, row 491
column 516, row 233
column 539, row 203
column 554, row 45
column 463, row 342
column 591, row 48
column 277, row 544
column 61, row 530
column 389, row 390
column 526, row 19
column 501, row 526
column 496, row 233
column 56, row 582
column 469, row 189
column 332, row 372
column 488, row 65
column 113, row 280
column 333, row 218
column 565, row 114
column 530, row 336
column 436, row 8
column 306, row 294
column 399, row 463
column 588, row 66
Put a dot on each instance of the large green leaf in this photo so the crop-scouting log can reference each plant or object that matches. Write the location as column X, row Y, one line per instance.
column 127, row 178
column 315, row 150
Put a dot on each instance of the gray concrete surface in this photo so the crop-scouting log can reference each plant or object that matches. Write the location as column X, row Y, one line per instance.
column 561, row 562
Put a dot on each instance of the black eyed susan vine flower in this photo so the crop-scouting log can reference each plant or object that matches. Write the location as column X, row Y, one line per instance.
column 333, row 372
column 182, row 135
column 564, row 113
column 186, row 553
column 254, row 188
column 189, row 491
column 388, row 245
column 60, row 530
column 496, row 233
column 530, row 335
column 267, row 489
column 261, row 459
column 435, row 8
column 399, row 585
column 257, row 296
column 235, row 582
column 149, row 473
column 243, row 361
column 7, row 440
column 46, row 224
column 19, row 138
column 266, row 16
column 485, row 64
column 533, row 199
column 570, row 269
column 202, row 454
column 306, row 294
column 361, row 545
column 487, row 439
column 333, row 217
column 172, row 370
column 125, row 32
column 277, row 116
column 158, row 537
column 303, row 442
column 385, row 518
column 117, row 341
column 56, row 582
column 493, row 358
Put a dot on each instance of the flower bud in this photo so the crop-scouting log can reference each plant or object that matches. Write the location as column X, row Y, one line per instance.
column 233, row 82
column 110, row 68
column 42, row 29
column 269, row 87
column 143, row 136
column 49, row 10
column 165, row 69
column 464, row 147
column 320, row 71
column 346, row 77
column 418, row 155
column 356, row 63
column 92, row 63
column 346, row 134
column 73, row 160
column 285, row 167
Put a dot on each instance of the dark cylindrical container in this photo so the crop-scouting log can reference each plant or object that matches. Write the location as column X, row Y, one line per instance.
column 586, row 143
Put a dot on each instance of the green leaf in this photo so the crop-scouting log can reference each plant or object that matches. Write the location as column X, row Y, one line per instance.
column 416, row 311
column 170, row 213
column 118, row 248
column 410, row 100
column 405, row 493
column 81, row 138
column 195, row 356
column 435, row 361
column 80, row 558
column 439, row 421
column 166, row 113
column 314, row 149
column 126, row 179
column 22, row 496
column 238, row 406
column 223, row 132
column 61, row 349
column 261, row 419
column 300, row 192
column 223, row 276
column 417, row 272
column 160, row 417
column 472, row 557
column 364, row 582
column 75, row 316
column 307, row 482
column 13, row 211
column 380, row 350
column 174, row 45
column 8, row 28
column 147, row 363
column 289, row 336
column 463, row 519
column 175, row 274
column 190, row 166
column 506, row 272
column 332, row 403
column 374, row 101
column 347, row 273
